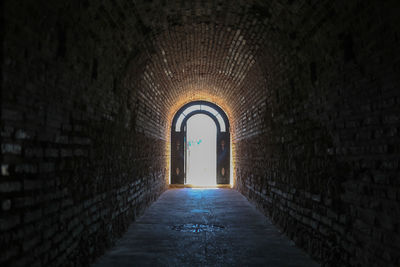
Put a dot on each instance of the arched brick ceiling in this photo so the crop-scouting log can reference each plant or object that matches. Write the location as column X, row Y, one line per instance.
column 210, row 51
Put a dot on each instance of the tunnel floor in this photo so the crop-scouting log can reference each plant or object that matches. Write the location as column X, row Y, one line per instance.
column 203, row 227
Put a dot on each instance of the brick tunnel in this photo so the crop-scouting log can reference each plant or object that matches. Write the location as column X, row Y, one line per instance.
column 90, row 89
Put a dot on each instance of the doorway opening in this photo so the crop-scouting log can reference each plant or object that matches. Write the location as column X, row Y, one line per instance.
column 201, row 147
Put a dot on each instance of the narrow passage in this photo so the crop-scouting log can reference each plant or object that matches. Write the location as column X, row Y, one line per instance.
column 203, row 227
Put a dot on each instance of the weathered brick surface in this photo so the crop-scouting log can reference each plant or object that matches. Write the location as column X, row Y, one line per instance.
column 75, row 169
column 90, row 87
column 322, row 159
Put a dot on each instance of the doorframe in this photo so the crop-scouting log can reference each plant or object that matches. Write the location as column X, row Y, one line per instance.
column 179, row 138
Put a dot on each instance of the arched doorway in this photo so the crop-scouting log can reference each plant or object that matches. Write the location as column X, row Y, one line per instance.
column 180, row 143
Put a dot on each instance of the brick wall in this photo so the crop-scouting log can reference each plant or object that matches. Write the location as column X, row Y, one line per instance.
column 321, row 154
column 76, row 170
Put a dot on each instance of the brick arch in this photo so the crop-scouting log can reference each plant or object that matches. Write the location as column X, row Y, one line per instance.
column 217, row 58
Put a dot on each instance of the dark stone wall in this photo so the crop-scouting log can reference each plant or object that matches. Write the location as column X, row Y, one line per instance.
column 75, row 168
column 321, row 155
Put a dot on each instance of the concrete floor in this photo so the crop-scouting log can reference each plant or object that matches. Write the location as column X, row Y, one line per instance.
column 203, row 227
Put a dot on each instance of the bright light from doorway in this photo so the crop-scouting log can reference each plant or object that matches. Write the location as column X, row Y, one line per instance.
column 201, row 151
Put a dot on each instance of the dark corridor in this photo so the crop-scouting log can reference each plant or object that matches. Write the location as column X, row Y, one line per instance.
column 90, row 88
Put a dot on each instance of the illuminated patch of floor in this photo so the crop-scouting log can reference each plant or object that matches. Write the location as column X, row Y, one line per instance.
column 197, row 228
